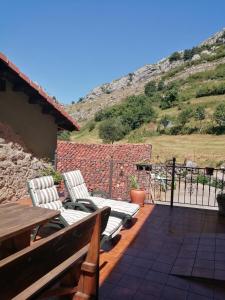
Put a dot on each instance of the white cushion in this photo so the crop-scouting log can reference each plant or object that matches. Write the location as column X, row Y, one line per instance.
column 121, row 206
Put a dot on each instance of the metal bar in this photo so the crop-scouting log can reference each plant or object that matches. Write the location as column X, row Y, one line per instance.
column 110, row 177
column 172, row 181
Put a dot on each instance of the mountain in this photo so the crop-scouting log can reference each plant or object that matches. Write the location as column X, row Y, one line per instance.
column 179, row 65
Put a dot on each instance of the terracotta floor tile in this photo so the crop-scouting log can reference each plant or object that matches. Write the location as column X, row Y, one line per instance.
column 172, row 293
column 131, row 282
column 157, row 277
column 192, row 296
column 151, row 288
column 161, row 267
column 139, row 264
column 121, row 293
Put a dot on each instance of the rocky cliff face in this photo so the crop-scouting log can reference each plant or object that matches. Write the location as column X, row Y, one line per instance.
column 133, row 83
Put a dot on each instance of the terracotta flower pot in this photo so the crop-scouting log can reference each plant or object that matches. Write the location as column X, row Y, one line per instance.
column 137, row 196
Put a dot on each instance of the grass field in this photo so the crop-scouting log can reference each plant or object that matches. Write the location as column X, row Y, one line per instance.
column 203, row 149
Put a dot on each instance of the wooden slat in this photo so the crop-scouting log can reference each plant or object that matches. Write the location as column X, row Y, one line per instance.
column 52, row 275
column 20, row 271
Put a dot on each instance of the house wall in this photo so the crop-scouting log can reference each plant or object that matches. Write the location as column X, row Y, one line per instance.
column 37, row 130
column 17, row 165
column 105, row 165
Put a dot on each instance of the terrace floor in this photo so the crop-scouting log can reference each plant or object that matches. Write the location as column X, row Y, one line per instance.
column 164, row 242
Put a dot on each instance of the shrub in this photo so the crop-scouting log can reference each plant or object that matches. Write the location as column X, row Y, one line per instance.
column 175, row 130
column 150, row 88
column 219, row 115
column 188, row 54
column 170, row 98
column 199, row 113
column 165, row 121
column 161, row 85
column 57, row 177
column 175, row 56
column 80, row 99
column 112, row 130
column 209, row 90
column 63, row 135
column 184, row 116
column 91, row 126
column 133, row 112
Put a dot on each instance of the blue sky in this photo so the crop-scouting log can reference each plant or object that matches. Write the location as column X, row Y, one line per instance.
column 71, row 46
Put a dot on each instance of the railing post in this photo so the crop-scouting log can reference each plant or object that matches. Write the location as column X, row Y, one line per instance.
column 173, row 181
column 110, row 177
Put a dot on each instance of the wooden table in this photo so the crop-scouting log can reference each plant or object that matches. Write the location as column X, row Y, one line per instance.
column 16, row 224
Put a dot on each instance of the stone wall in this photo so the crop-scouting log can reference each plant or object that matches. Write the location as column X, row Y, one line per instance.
column 17, row 165
column 106, row 168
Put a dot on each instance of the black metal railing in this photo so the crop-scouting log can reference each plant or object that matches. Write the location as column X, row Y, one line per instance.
column 189, row 186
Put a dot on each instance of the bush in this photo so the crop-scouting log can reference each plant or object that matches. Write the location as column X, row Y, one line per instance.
column 209, row 90
column 165, row 121
column 199, row 113
column 175, row 130
column 91, row 126
column 63, row 135
column 80, row 99
column 161, row 85
column 112, row 130
column 133, row 112
column 150, row 88
column 175, row 56
column 184, row 116
column 57, row 177
column 170, row 98
column 219, row 115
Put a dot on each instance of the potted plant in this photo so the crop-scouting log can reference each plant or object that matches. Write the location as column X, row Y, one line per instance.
column 57, row 177
column 221, row 203
column 137, row 194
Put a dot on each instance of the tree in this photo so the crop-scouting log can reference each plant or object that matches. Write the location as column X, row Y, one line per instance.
column 174, row 56
column 161, row 85
column 112, row 130
column 200, row 115
column 150, row 88
column 184, row 116
column 188, row 54
column 170, row 97
column 219, row 114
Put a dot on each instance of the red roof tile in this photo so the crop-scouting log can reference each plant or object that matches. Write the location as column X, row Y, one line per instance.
column 64, row 115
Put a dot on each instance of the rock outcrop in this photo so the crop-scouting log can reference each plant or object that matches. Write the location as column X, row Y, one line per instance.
column 133, row 83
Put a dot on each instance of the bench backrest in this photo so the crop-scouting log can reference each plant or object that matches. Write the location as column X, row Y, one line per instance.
column 30, row 270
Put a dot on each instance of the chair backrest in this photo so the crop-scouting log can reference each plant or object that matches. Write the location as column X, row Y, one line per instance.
column 75, row 185
column 29, row 271
column 43, row 193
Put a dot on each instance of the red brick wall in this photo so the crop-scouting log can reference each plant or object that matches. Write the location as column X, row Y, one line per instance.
column 97, row 162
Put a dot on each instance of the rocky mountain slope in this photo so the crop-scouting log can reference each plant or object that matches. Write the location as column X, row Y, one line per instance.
column 205, row 56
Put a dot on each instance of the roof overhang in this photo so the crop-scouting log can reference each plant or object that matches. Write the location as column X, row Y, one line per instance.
column 36, row 94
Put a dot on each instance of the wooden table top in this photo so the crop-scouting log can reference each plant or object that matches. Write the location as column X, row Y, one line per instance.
column 16, row 219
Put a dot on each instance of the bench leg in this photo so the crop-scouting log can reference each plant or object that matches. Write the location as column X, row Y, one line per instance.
column 35, row 232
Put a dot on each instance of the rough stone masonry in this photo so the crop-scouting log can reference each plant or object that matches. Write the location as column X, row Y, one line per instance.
column 17, row 165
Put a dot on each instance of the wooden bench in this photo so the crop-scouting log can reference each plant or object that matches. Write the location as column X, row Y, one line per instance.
column 67, row 262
